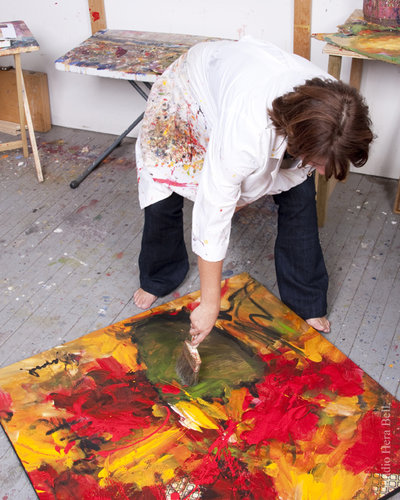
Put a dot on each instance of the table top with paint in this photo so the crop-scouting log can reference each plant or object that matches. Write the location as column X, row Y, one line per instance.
column 360, row 38
column 25, row 41
column 127, row 55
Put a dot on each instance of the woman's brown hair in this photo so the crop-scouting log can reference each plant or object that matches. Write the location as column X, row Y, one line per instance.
column 324, row 120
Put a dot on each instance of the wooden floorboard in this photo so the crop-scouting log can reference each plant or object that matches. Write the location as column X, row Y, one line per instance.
column 69, row 259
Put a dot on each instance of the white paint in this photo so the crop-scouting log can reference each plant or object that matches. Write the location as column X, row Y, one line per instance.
column 100, row 104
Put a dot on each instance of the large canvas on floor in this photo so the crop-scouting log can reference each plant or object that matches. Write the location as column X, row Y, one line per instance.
column 279, row 411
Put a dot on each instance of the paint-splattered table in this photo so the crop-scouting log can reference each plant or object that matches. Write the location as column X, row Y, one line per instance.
column 20, row 40
column 359, row 40
column 135, row 56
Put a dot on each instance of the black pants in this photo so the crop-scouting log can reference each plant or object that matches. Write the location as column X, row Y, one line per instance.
column 163, row 259
column 300, row 268
column 299, row 263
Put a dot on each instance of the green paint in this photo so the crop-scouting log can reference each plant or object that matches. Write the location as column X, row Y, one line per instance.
column 226, row 362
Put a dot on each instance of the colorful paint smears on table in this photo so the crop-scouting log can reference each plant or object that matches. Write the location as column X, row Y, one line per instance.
column 279, row 412
column 23, row 41
column 125, row 54
column 367, row 39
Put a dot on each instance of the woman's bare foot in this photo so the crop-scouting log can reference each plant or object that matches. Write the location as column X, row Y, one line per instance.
column 320, row 324
column 143, row 299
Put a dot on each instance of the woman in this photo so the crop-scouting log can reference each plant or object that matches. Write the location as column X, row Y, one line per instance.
column 226, row 124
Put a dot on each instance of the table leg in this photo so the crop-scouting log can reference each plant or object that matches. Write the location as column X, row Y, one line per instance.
column 396, row 207
column 356, row 72
column 19, row 78
column 28, row 117
column 324, row 188
column 75, row 183
column 335, row 66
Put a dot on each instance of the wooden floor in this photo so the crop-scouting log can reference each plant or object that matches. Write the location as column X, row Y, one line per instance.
column 69, row 260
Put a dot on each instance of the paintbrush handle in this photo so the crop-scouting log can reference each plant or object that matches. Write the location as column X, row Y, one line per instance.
column 193, row 352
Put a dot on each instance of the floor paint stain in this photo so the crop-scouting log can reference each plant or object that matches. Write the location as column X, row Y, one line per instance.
column 84, row 207
column 119, row 255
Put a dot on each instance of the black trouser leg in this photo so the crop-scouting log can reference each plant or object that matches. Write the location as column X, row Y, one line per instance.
column 163, row 259
column 300, row 267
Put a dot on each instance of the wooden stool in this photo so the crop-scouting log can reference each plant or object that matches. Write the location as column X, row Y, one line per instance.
column 24, row 42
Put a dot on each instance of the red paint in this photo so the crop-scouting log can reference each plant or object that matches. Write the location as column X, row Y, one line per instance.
column 385, row 12
column 120, row 51
column 70, row 445
column 107, row 394
column 170, row 389
column 225, row 287
column 376, row 449
column 119, row 255
column 280, row 412
column 84, row 207
column 192, row 305
column 53, row 485
column 171, row 182
column 364, row 456
column 229, row 476
column 344, row 378
column 5, row 405
column 134, row 443
column 95, row 16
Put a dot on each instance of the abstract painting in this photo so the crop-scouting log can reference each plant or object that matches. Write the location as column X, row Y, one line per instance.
column 278, row 413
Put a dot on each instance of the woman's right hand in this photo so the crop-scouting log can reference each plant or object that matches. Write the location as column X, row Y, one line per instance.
column 202, row 321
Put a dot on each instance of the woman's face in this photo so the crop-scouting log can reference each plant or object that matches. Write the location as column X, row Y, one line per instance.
column 319, row 166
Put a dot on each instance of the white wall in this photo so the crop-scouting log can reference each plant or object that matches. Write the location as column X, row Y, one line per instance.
column 106, row 105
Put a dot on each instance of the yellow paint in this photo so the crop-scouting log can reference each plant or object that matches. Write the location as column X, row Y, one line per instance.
column 297, row 481
column 347, row 427
column 33, row 450
column 147, row 460
column 234, row 406
column 334, row 485
column 194, row 415
column 343, row 406
column 316, row 348
column 271, row 469
column 384, row 44
column 126, row 355
column 159, row 410
column 214, row 410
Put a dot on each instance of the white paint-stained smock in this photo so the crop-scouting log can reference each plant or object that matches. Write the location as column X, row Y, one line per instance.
column 207, row 136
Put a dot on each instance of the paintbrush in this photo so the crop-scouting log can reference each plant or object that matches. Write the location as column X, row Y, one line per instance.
column 188, row 364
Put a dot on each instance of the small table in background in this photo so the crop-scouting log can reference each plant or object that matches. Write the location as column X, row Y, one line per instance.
column 135, row 56
column 336, row 53
column 23, row 42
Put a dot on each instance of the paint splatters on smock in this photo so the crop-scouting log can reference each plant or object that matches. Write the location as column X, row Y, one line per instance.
column 173, row 138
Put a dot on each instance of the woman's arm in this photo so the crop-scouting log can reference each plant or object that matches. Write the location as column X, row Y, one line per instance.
column 204, row 316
